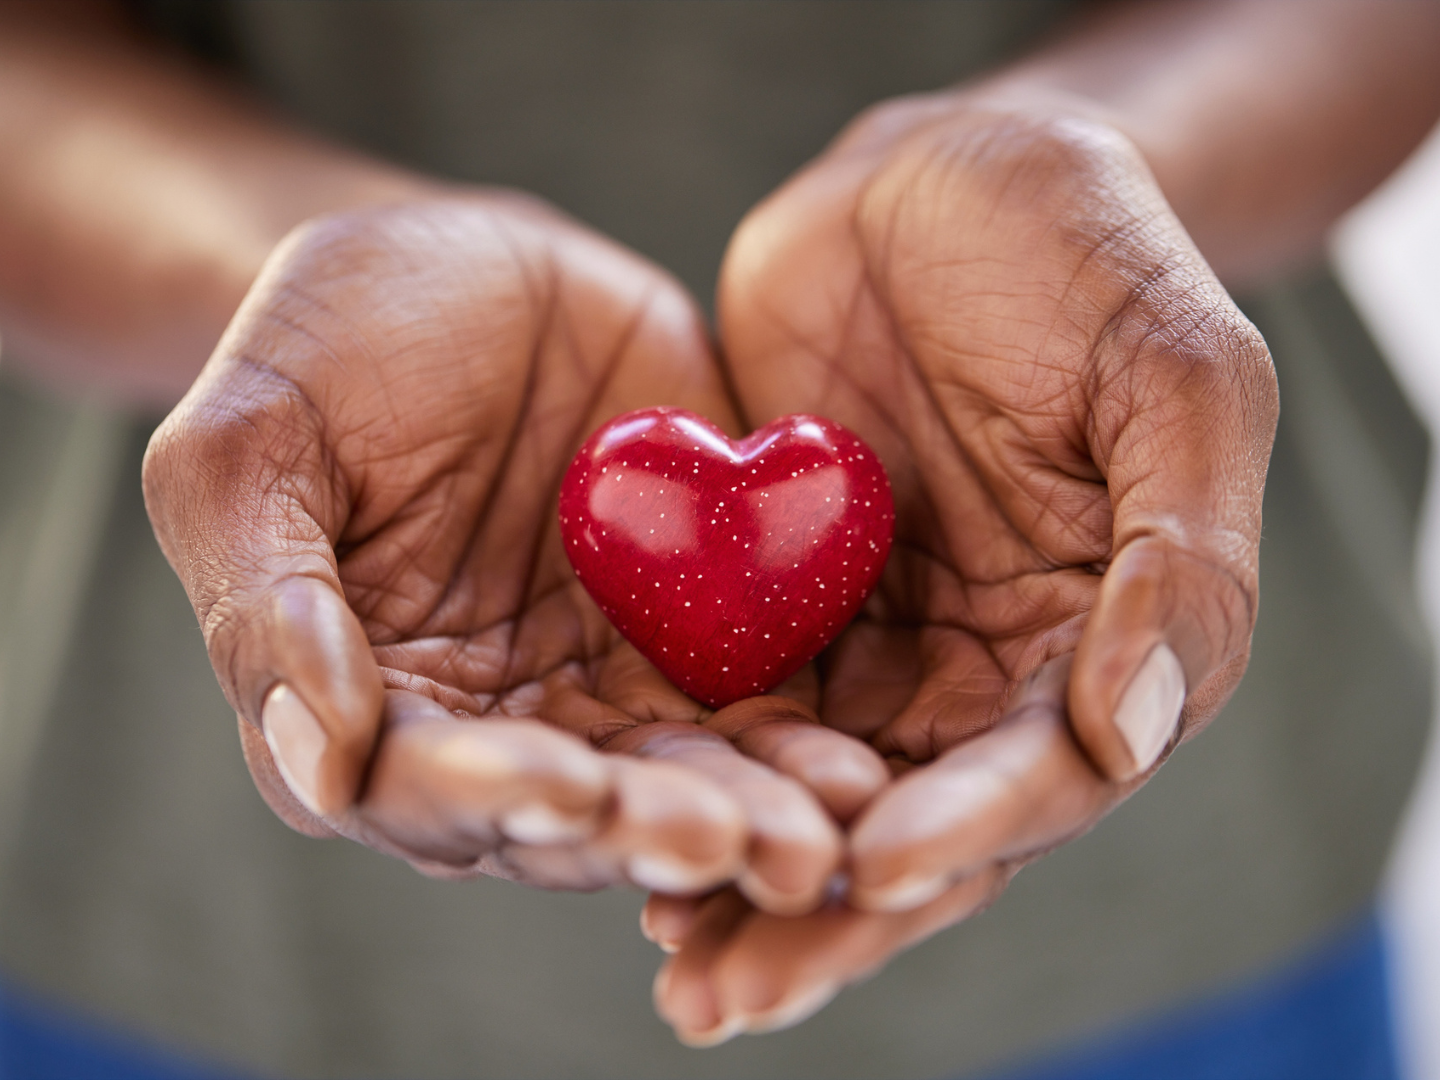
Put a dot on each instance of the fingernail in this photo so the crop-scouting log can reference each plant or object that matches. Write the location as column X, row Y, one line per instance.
column 904, row 894
column 790, row 1012
column 663, row 932
column 721, row 1032
column 1150, row 708
column 765, row 895
column 297, row 743
column 664, row 875
column 540, row 823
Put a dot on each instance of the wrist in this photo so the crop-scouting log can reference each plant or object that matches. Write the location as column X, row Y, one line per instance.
column 130, row 300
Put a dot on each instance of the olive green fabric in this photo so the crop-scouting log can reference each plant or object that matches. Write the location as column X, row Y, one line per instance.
column 148, row 884
column 658, row 123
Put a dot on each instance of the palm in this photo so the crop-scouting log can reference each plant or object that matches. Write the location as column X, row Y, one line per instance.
column 452, row 439
column 963, row 343
column 391, row 414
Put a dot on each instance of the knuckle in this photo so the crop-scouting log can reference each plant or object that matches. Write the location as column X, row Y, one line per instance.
column 886, row 119
column 1061, row 150
column 1184, row 353
column 1060, row 167
column 224, row 463
column 1213, row 578
column 338, row 246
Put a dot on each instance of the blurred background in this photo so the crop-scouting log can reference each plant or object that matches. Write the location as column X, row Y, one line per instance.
column 1387, row 253
column 155, row 919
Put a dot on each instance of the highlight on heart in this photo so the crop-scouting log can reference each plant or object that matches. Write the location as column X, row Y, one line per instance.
column 728, row 564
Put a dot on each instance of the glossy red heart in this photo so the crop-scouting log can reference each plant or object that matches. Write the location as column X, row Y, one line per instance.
column 729, row 565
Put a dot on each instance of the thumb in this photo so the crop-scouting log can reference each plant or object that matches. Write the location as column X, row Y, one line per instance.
column 1168, row 628
column 1169, row 635
column 306, row 657
column 246, row 536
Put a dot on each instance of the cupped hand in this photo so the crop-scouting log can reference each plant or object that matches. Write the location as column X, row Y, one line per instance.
column 359, row 496
column 1077, row 422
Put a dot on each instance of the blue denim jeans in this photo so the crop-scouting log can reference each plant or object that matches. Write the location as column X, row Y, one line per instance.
column 1324, row 1016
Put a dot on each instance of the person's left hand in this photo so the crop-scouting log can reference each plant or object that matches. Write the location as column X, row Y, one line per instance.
column 359, row 496
column 1077, row 422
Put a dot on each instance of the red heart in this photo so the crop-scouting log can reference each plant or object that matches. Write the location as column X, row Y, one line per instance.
column 729, row 565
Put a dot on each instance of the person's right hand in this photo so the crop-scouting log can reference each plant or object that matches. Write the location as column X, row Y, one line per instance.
column 359, row 496
column 992, row 291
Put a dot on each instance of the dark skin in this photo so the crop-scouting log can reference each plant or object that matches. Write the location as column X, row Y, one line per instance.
column 1047, row 368
column 996, row 286
column 378, row 478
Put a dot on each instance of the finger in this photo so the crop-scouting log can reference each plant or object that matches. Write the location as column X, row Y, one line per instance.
column 684, row 997
column 1018, row 789
column 321, row 711
column 1184, row 423
column 1165, row 621
column 668, row 920
column 794, row 848
column 583, row 867
column 842, row 772
column 521, row 800
column 772, row 972
column 450, row 790
column 674, row 830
